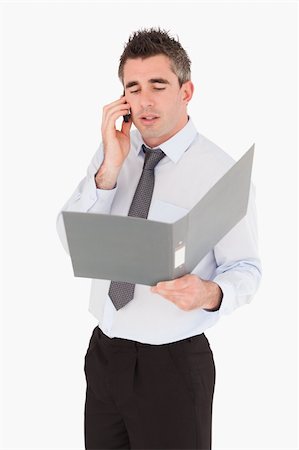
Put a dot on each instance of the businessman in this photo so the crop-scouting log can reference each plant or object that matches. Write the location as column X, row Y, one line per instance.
column 149, row 367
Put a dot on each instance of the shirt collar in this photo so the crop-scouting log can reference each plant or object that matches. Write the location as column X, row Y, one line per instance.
column 176, row 146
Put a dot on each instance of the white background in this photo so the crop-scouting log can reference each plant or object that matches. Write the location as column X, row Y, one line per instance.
column 60, row 69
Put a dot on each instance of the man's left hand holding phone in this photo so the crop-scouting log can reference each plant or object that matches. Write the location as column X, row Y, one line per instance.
column 116, row 143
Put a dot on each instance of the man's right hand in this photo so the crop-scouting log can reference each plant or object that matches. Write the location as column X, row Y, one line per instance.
column 116, row 143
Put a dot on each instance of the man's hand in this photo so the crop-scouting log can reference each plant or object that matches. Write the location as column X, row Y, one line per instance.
column 190, row 292
column 116, row 144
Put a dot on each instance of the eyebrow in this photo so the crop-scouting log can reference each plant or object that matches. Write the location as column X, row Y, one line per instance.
column 151, row 80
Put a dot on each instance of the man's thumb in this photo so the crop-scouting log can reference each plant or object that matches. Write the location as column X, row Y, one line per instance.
column 126, row 126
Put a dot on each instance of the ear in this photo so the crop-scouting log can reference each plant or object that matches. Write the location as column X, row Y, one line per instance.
column 187, row 89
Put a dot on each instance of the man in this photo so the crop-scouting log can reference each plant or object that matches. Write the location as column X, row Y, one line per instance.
column 149, row 367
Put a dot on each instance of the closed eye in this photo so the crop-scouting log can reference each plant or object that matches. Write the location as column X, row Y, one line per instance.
column 156, row 89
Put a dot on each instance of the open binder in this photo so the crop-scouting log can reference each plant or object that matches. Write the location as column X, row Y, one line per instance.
column 143, row 251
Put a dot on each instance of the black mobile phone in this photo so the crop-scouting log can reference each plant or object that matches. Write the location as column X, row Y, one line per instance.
column 126, row 116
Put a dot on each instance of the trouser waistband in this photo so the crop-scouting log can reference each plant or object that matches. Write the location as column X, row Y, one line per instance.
column 130, row 343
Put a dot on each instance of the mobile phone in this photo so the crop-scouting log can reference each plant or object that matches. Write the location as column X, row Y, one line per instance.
column 126, row 116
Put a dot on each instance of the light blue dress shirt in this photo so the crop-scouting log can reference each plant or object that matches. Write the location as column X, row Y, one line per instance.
column 191, row 166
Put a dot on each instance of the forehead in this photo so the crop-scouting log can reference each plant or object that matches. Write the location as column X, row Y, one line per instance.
column 151, row 67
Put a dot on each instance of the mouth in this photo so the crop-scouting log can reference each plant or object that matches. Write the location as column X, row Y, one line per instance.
column 149, row 119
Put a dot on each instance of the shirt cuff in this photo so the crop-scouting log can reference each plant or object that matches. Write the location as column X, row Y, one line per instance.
column 93, row 200
column 228, row 297
column 104, row 199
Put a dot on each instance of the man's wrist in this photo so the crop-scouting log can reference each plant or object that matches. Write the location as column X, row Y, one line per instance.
column 106, row 178
column 215, row 296
column 102, row 185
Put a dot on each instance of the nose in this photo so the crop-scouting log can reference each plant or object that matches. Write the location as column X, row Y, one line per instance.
column 146, row 100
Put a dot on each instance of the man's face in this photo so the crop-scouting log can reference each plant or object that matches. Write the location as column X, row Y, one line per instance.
column 158, row 104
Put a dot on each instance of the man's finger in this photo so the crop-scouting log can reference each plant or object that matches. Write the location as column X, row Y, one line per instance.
column 126, row 126
column 178, row 283
column 170, row 292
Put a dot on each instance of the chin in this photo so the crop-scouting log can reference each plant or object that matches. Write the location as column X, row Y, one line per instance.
column 151, row 132
column 147, row 133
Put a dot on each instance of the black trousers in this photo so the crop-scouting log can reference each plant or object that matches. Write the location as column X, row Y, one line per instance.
column 142, row 396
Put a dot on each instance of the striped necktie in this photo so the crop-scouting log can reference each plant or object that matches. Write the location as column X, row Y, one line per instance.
column 122, row 292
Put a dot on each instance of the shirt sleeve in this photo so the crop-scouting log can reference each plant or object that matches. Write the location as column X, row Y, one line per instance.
column 87, row 197
column 238, row 271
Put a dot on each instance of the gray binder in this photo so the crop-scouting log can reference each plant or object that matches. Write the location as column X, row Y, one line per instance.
column 143, row 251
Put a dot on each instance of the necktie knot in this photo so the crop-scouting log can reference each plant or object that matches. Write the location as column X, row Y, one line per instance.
column 152, row 157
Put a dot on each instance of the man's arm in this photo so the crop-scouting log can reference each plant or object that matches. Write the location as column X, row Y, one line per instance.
column 239, row 270
column 87, row 197
column 96, row 191
column 236, row 277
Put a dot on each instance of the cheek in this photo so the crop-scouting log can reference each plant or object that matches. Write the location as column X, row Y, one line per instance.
column 133, row 108
column 173, row 105
column 133, row 105
column 173, row 110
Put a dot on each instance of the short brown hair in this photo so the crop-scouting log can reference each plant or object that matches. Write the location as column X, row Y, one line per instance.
column 154, row 41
